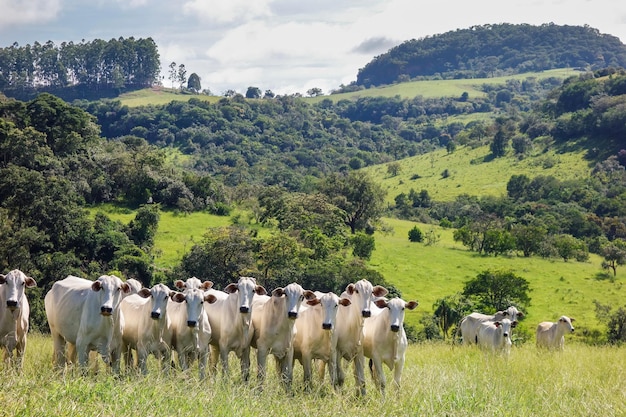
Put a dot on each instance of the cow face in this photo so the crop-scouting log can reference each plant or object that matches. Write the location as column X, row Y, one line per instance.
column 505, row 325
column 195, row 298
column 110, row 291
column 294, row 295
column 363, row 292
column 15, row 283
column 159, row 295
column 330, row 305
column 396, row 308
column 566, row 322
column 246, row 287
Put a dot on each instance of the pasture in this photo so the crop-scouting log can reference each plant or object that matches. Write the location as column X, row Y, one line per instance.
column 438, row 380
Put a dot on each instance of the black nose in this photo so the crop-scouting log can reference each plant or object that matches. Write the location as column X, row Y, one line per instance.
column 506, row 335
column 106, row 311
column 11, row 303
column 395, row 328
column 292, row 315
column 366, row 313
column 155, row 315
column 244, row 309
column 191, row 323
column 327, row 326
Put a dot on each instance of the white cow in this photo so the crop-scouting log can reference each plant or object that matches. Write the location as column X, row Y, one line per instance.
column 230, row 318
column 193, row 282
column 14, row 314
column 350, row 321
column 147, row 326
column 552, row 335
column 385, row 341
column 468, row 328
column 316, row 337
column 273, row 320
column 191, row 329
column 495, row 336
column 86, row 315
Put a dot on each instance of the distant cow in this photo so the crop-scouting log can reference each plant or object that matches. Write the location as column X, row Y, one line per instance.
column 495, row 336
column 468, row 328
column 273, row 320
column 316, row 337
column 350, row 321
column 191, row 330
column 147, row 326
column 385, row 341
column 14, row 314
column 86, row 315
column 230, row 318
column 552, row 335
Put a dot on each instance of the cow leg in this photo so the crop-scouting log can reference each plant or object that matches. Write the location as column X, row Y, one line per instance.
column 224, row 359
column 378, row 373
column 341, row 376
column 245, row 364
column 202, row 361
column 59, row 351
column 287, row 368
column 142, row 358
column 359, row 373
column 306, row 369
column 214, row 355
column 397, row 372
column 261, row 356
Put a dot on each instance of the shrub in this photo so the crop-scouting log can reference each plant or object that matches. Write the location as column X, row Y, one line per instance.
column 415, row 234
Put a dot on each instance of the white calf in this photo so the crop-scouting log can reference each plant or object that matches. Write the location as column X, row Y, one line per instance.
column 385, row 341
column 495, row 336
column 468, row 328
column 552, row 335
column 14, row 314
column 316, row 337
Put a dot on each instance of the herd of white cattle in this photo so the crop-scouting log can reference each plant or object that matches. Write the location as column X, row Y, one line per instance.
column 201, row 325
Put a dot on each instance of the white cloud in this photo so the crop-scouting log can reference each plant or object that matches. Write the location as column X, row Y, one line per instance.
column 227, row 11
column 17, row 12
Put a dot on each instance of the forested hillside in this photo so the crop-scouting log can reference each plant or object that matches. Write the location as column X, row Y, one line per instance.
column 490, row 50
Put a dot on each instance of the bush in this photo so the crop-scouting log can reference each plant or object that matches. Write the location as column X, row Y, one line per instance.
column 415, row 234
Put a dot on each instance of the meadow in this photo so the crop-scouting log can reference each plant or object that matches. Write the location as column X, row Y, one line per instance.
column 439, row 379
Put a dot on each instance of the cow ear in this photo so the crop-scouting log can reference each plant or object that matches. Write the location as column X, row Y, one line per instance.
column 381, row 303
column 144, row 293
column 497, row 323
column 309, row 295
column 30, row 283
column 345, row 302
column 210, row 298
column 350, row 289
column 379, row 291
column 313, row 302
column 177, row 297
column 206, row 285
column 572, row 319
column 96, row 286
column 260, row 290
column 520, row 314
column 231, row 288
column 180, row 284
column 125, row 288
column 411, row 305
column 278, row 292
column 514, row 324
column 3, row 279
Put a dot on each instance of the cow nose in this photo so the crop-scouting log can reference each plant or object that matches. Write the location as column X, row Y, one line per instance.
column 191, row 323
column 11, row 304
column 327, row 326
column 366, row 313
column 244, row 309
column 155, row 315
column 292, row 314
column 106, row 311
column 395, row 328
column 506, row 335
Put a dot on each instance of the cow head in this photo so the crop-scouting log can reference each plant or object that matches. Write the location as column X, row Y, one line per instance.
column 195, row 298
column 363, row 293
column 111, row 290
column 246, row 287
column 294, row 295
column 330, row 305
column 505, row 325
column 14, row 284
column 567, row 323
column 159, row 296
column 193, row 282
column 396, row 308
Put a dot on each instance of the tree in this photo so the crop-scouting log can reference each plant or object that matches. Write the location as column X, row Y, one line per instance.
column 361, row 198
column 193, row 83
column 253, row 92
column 394, row 168
column 172, row 74
column 181, row 76
column 497, row 290
column 614, row 254
column 449, row 311
column 415, row 234
column 363, row 244
column 314, row 92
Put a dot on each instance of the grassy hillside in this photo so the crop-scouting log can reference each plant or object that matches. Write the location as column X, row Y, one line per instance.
column 473, row 172
column 426, row 89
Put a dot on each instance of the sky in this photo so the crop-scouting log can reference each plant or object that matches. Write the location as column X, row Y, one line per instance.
column 286, row 46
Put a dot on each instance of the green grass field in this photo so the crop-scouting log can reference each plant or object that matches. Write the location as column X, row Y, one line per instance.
column 438, row 380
